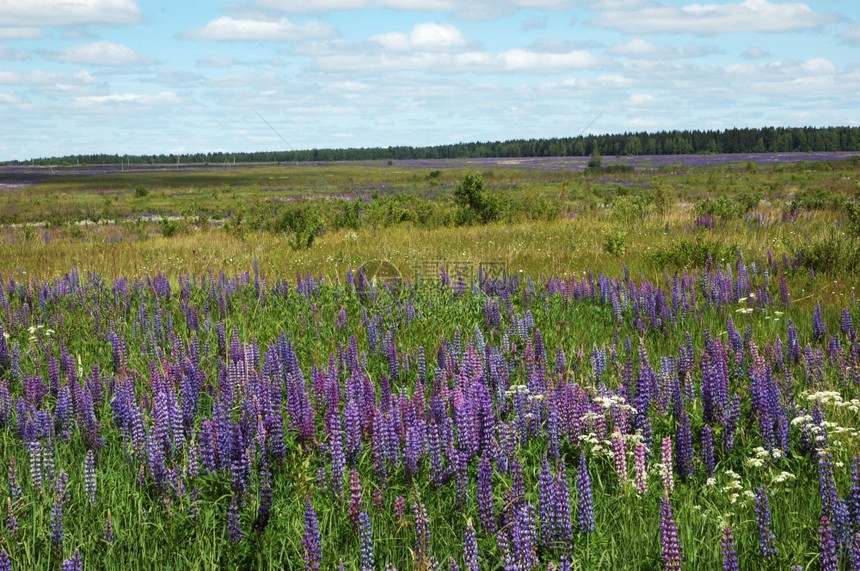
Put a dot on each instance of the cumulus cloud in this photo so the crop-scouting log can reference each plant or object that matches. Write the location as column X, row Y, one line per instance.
column 215, row 62
column 707, row 19
column 852, row 36
column 38, row 13
column 16, row 55
column 754, row 52
column 425, row 37
column 639, row 48
column 227, row 28
column 21, row 33
column 101, row 53
column 118, row 99
column 475, row 9
column 43, row 78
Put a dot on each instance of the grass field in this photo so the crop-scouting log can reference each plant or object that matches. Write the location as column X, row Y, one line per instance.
column 303, row 367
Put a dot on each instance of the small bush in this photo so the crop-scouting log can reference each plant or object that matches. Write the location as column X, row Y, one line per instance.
column 690, row 253
column 614, row 243
column 141, row 191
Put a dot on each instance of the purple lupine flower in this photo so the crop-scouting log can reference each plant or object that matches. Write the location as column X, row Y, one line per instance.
column 684, row 450
column 666, row 471
column 546, row 499
column 265, row 506
column 854, row 496
column 338, row 459
column 470, row 548
column 75, row 563
column 57, row 529
column 108, row 533
column 34, row 449
column 827, row 546
column 619, row 454
column 730, row 555
column 639, row 469
column 11, row 520
column 354, row 497
column 234, row 522
column 485, row 495
column 311, row 545
column 708, row 450
column 562, row 524
column 400, row 509
column 819, row 330
column 15, row 490
column 366, row 537
column 524, row 537
column 5, row 561
column 854, row 553
column 669, row 541
column 422, row 536
column 90, row 476
column 766, row 536
column 585, row 511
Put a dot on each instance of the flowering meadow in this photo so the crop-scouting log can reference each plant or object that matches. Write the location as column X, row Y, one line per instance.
column 664, row 376
column 604, row 422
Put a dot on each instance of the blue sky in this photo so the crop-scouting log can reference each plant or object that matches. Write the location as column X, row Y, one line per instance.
column 138, row 76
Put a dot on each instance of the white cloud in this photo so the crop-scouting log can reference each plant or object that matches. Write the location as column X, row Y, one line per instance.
column 517, row 60
column 68, row 12
column 10, row 54
column 852, row 36
column 641, row 99
column 21, row 33
column 163, row 98
column 754, row 52
column 708, row 19
column 474, row 9
column 428, row 36
column 215, row 62
column 43, row 78
column 227, row 28
column 101, row 53
column 639, row 48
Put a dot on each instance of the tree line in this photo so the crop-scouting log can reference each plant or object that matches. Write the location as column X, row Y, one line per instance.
column 746, row 140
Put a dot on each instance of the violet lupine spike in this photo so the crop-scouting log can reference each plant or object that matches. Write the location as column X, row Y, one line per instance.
column 15, row 490
column 234, row 522
column 265, row 506
column 11, row 520
column 311, row 545
column 669, row 541
column 485, row 496
column 766, row 537
column 619, row 454
column 422, row 535
column 708, row 450
column 729, row 551
column 57, row 528
column 546, row 500
column 338, row 458
column 854, row 552
column 5, row 560
column 75, row 563
column 355, row 506
column 562, row 524
column 470, row 548
column 366, row 537
column 585, row 508
column 90, row 477
column 666, row 468
column 684, row 450
column 639, row 469
column 524, row 537
column 827, row 548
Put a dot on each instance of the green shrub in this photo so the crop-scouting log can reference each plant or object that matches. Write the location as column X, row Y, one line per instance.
column 614, row 243
column 474, row 204
column 690, row 253
column 141, row 191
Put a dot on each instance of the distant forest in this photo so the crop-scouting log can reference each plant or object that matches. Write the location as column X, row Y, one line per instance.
column 764, row 140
